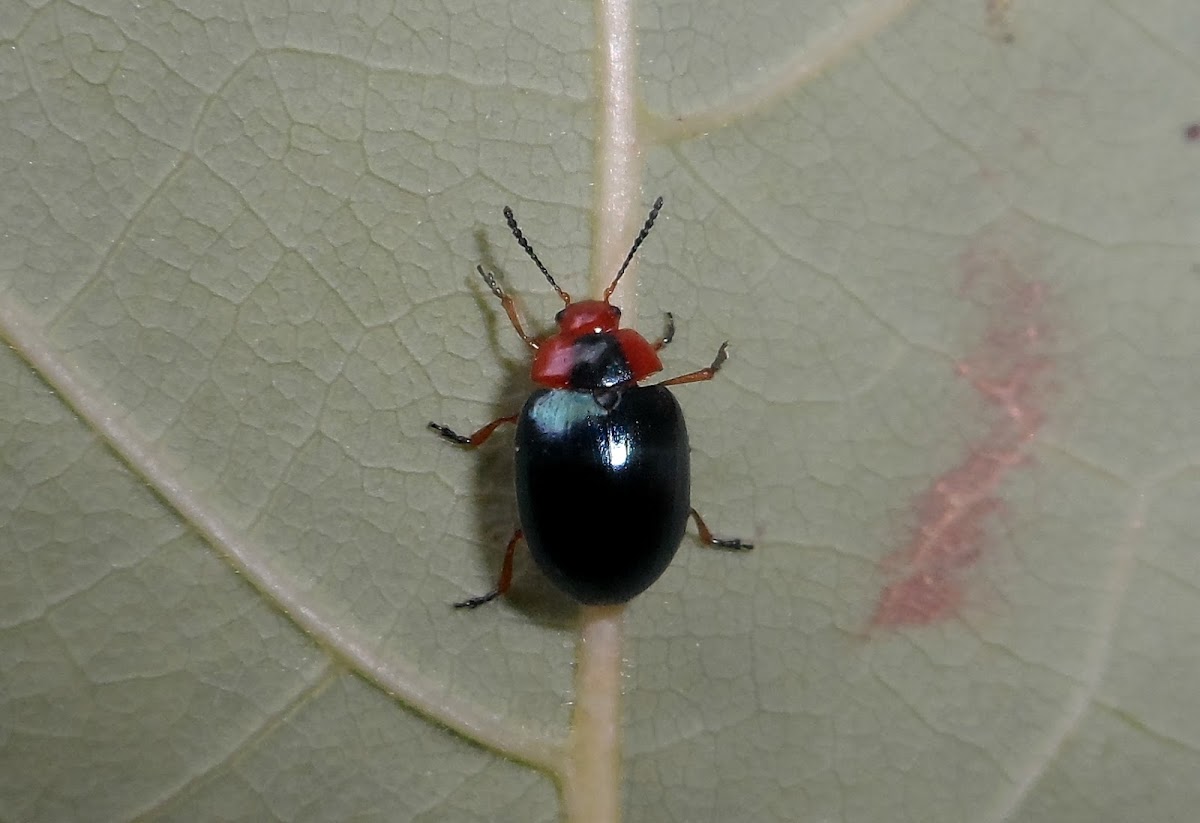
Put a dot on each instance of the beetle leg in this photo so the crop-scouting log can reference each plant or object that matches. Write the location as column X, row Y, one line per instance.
column 707, row 538
column 702, row 374
column 510, row 307
column 668, row 333
column 506, row 570
column 476, row 439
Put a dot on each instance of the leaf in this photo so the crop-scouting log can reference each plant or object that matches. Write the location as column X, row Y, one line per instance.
column 953, row 248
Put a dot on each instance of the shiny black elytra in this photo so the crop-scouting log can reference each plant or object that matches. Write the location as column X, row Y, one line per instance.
column 603, row 473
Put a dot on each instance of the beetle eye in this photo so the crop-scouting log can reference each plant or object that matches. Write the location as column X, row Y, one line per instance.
column 558, row 317
column 616, row 310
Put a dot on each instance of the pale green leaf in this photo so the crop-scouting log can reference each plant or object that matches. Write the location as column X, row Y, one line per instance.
column 954, row 248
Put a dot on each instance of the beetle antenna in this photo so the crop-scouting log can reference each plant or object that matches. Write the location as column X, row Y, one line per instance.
column 637, row 242
column 516, row 232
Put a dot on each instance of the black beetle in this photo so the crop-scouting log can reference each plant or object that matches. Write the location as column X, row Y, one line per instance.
column 603, row 473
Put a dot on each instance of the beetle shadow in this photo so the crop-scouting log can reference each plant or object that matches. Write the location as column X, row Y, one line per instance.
column 494, row 479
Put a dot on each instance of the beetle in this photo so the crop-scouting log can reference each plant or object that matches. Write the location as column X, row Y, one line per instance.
column 603, row 474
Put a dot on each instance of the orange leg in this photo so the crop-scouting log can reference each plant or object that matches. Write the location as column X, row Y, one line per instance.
column 505, row 581
column 702, row 374
column 707, row 538
column 476, row 439
column 510, row 307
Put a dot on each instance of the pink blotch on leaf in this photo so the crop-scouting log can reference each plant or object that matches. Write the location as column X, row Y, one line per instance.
column 929, row 573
